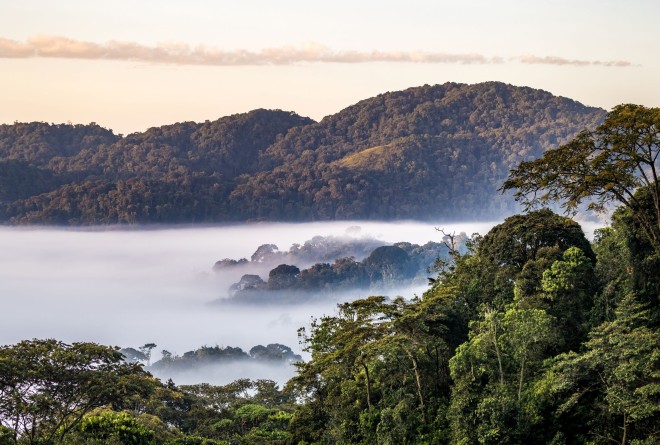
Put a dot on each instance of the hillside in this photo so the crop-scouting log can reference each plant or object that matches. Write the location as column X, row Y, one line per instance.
column 427, row 152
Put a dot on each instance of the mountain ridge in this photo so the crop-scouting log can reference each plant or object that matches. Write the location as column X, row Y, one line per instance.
column 420, row 153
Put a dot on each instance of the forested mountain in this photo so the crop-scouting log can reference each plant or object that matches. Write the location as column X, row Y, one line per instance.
column 430, row 151
column 176, row 173
column 426, row 152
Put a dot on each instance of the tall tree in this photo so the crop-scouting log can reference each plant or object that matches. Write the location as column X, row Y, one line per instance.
column 338, row 380
column 146, row 351
column 605, row 165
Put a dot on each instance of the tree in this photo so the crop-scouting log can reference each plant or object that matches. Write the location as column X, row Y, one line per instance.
column 132, row 355
column 389, row 264
column 242, row 412
column 519, row 238
column 493, row 398
column 605, row 165
column 7, row 436
column 569, row 287
column 644, row 255
column 265, row 252
column 47, row 387
column 616, row 377
column 612, row 270
column 338, row 382
column 146, row 351
column 515, row 252
column 283, row 276
column 317, row 277
column 106, row 426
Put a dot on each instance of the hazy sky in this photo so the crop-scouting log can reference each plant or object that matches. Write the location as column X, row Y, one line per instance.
column 128, row 65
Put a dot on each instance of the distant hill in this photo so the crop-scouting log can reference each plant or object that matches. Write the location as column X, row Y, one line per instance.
column 429, row 152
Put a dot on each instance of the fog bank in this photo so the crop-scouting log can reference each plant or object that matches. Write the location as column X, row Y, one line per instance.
column 128, row 287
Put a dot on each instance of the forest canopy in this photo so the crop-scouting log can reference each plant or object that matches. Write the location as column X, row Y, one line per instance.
column 608, row 164
column 423, row 153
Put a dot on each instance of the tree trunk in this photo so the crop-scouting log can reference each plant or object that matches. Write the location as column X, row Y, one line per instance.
column 520, row 380
column 624, row 439
column 498, row 355
column 366, row 372
column 418, row 379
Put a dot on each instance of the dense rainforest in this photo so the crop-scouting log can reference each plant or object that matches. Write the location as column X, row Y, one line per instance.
column 431, row 152
column 532, row 335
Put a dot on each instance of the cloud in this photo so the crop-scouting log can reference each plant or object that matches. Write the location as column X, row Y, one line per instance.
column 552, row 60
column 13, row 49
column 45, row 46
column 182, row 54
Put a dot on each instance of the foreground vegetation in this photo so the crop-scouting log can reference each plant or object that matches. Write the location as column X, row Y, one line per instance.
column 535, row 335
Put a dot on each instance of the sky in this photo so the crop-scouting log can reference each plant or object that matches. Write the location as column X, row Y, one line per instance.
column 129, row 65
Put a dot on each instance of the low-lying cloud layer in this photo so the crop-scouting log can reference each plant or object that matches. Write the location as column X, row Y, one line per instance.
column 45, row 46
column 130, row 287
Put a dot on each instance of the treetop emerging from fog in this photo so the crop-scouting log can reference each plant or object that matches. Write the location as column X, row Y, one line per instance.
column 605, row 165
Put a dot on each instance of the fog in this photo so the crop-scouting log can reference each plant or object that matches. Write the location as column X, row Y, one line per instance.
column 128, row 287
column 225, row 373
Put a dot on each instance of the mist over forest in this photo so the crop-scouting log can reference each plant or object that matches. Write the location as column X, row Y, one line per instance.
column 129, row 287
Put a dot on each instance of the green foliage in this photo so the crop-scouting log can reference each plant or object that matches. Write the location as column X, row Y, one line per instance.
column 242, row 412
column 41, row 144
column 605, row 165
column 531, row 336
column 115, row 427
column 405, row 154
column 444, row 145
column 47, row 387
column 20, row 180
column 204, row 355
column 569, row 287
column 617, row 377
column 520, row 237
column 7, row 436
column 377, row 375
column 384, row 268
column 196, row 440
column 511, row 259
column 493, row 398
column 519, row 340
column 644, row 253
column 612, row 271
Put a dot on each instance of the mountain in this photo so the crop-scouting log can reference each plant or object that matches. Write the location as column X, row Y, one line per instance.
column 175, row 173
column 428, row 152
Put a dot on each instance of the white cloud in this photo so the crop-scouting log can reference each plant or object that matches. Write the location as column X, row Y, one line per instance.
column 14, row 49
column 553, row 60
column 183, row 54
